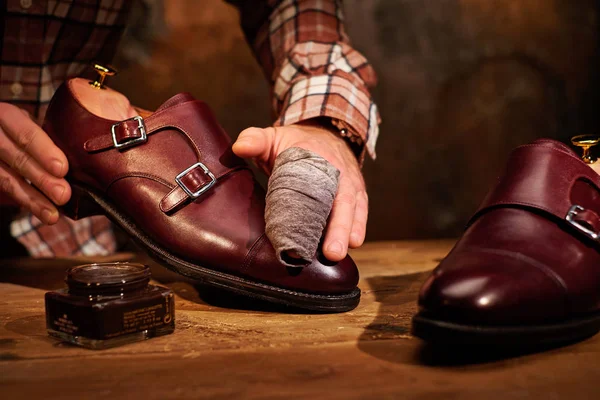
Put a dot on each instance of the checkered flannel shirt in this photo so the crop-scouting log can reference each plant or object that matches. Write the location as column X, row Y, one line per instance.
column 301, row 45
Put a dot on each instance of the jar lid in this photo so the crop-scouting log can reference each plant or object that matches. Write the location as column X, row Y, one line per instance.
column 107, row 278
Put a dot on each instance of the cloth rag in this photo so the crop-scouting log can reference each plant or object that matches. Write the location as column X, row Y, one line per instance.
column 300, row 195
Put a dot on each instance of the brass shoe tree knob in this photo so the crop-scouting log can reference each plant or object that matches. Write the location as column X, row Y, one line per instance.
column 103, row 72
column 586, row 142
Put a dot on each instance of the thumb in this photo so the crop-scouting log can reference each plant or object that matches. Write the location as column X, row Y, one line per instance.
column 254, row 143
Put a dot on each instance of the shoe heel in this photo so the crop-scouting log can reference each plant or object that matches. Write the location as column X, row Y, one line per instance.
column 80, row 205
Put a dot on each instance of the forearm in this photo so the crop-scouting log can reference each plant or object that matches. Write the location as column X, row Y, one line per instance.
column 314, row 72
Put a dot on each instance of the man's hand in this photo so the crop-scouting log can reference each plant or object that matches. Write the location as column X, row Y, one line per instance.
column 348, row 218
column 28, row 154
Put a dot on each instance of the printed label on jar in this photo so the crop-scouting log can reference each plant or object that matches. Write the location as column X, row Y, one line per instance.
column 148, row 316
column 143, row 318
column 64, row 324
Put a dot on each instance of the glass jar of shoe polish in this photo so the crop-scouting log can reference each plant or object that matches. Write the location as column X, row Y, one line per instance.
column 109, row 304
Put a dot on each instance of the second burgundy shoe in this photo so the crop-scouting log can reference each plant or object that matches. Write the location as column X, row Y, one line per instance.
column 171, row 181
column 527, row 269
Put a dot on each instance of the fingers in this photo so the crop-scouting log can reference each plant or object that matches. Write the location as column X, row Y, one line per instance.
column 28, row 154
column 32, row 140
column 254, row 143
column 27, row 167
column 25, row 195
column 359, row 225
column 335, row 246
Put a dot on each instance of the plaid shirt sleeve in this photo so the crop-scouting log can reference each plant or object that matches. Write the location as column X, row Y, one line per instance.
column 314, row 72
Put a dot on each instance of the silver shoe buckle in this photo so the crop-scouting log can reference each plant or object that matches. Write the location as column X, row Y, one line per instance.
column 131, row 142
column 204, row 188
column 570, row 218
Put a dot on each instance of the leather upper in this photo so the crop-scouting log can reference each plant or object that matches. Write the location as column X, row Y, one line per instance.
column 520, row 260
column 223, row 229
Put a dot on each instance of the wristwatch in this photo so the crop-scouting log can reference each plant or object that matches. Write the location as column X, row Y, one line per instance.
column 353, row 139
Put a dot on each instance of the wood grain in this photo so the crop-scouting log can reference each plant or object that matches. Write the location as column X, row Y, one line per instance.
column 227, row 347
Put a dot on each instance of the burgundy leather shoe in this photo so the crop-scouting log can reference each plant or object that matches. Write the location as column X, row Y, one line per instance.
column 527, row 269
column 171, row 181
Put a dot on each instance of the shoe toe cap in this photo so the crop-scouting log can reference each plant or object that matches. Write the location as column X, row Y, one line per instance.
column 321, row 276
column 493, row 288
column 339, row 276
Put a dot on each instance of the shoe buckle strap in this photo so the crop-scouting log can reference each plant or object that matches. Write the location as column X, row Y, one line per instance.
column 128, row 133
column 192, row 185
column 194, row 180
column 585, row 221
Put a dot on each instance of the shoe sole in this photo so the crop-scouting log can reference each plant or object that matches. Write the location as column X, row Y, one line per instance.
column 445, row 332
column 307, row 301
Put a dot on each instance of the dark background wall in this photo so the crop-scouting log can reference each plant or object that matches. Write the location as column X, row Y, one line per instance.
column 461, row 83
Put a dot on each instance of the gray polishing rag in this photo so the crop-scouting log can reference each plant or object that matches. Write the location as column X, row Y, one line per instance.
column 300, row 195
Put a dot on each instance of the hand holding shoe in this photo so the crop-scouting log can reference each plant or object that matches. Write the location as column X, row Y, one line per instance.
column 27, row 154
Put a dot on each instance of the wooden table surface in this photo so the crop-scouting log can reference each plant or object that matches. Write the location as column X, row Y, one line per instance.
column 226, row 347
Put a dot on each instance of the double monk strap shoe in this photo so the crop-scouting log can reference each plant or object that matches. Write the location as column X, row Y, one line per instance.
column 171, row 181
column 526, row 271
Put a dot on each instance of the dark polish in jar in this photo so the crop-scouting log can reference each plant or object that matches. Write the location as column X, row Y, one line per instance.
column 109, row 304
